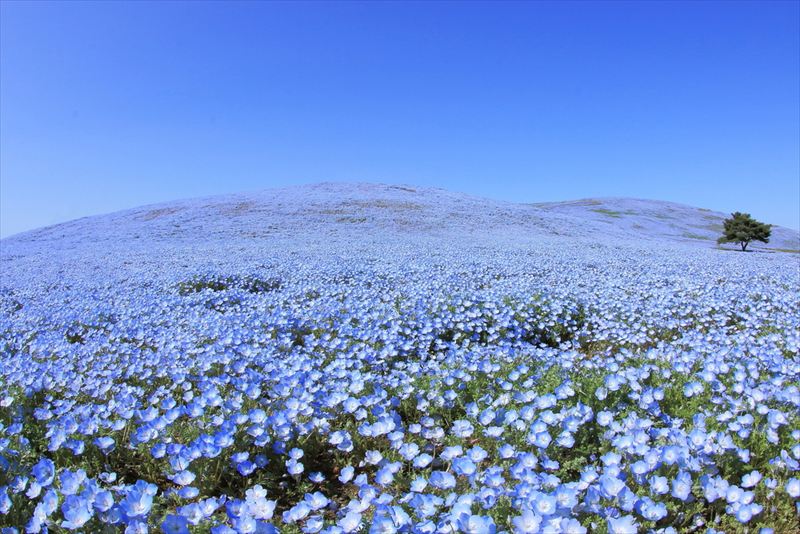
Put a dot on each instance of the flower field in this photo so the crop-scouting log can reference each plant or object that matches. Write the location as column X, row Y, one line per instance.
column 407, row 387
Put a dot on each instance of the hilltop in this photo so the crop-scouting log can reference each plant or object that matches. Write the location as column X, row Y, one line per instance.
column 361, row 211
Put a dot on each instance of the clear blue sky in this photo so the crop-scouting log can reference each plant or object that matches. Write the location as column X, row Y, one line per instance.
column 112, row 105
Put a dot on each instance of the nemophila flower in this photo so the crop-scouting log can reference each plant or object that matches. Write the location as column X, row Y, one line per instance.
column 462, row 428
column 566, row 497
column 670, row 454
column 297, row 513
column 448, row 453
column 44, row 472
column 526, row 523
column 103, row 501
column 682, row 486
column 49, row 502
column 373, row 457
column 442, row 480
column 751, row 479
column 316, row 500
column 565, row 440
column 246, row 468
column 244, row 524
column 293, row 467
column 651, row 510
column 745, row 512
column 604, row 418
column 175, row 524
column 5, row 501
column 137, row 502
column 476, row 524
column 698, row 438
column 71, row 481
column 625, row 524
column 611, row 486
column 659, row 485
column 183, row 478
column 346, row 474
column 477, row 454
column 188, row 492
column 418, row 484
column 793, row 487
column 627, row 499
column 545, row 505
column 350, row 522
column 105, row 444
column 464, row 466
column 540, row 440
column 422, row 461
column 313, row 524
column 76, row 511
column 734, row 494
column 33, row 490
column 159, row 450
column 506, row 451
column 384, row 476
column 382, row 524
column 640, row 468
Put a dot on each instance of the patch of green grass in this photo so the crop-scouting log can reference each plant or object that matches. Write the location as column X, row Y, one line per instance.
column 352, row 220
column 690, row 235
column 608, row 212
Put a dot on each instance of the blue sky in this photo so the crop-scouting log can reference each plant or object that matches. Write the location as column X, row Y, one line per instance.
column 107, row 106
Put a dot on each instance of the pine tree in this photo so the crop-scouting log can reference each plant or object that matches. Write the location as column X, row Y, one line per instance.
column 742, row 228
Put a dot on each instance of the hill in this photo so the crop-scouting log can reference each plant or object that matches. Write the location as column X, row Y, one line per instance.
column 338, row 211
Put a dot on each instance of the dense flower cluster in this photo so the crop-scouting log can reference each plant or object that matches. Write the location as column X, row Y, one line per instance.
column 402, row 389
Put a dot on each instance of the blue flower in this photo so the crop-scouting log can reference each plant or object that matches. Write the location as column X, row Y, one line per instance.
column 625, row 524
column 382, row 524
column 5, row 501
column 611, row 486
column 103, row 501
column 793, row 487
column 526, row 523
column 105, row 444
column 751, row 479
column 442, row 480
column 350, row 522
column 462, row 428
column 463, row 466
column 71, row 482
column 316, row 500
column 476, row 524
column 137, row 502
column 183, row 478
column 44, row 472
column 77, row 511
column 682, row 486
column 175, row 524
column 346, row 474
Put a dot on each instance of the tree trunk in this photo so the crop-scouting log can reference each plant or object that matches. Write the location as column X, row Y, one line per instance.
column 744, row 245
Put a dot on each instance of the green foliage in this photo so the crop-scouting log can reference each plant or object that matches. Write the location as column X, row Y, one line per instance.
column 216, row 283
column 741, row 228
column 610, row 213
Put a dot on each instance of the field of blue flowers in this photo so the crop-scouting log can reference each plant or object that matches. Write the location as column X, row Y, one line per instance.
column 402, row 389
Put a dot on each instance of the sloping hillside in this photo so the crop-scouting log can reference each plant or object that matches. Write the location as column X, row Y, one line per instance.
column 335, row 211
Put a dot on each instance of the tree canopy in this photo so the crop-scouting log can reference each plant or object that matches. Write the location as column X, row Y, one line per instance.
column 741, row 228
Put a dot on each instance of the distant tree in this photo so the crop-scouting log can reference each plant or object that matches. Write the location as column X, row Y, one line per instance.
column 742, row 228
